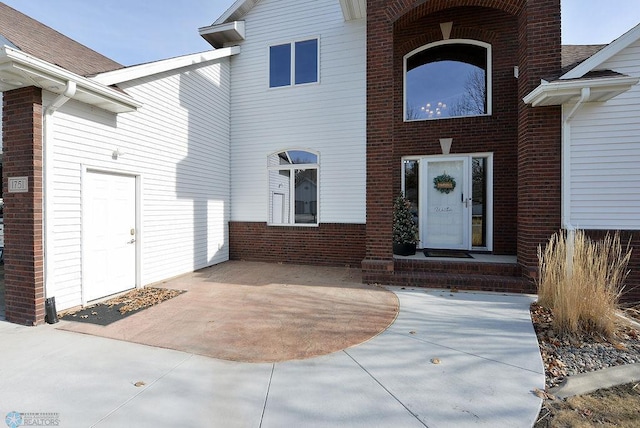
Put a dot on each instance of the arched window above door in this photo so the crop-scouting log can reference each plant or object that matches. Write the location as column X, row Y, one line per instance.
column 446, row 79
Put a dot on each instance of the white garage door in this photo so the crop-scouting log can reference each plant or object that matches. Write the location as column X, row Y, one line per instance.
column 109, row 234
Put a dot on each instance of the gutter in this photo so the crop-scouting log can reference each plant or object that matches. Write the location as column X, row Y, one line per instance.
column 47, row 185
column 585, row 94
column 563, row 91
column 38, row 72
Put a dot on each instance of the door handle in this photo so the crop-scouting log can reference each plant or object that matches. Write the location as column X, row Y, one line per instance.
column 133, row 241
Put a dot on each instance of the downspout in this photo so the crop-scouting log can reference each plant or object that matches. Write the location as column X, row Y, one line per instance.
column 585, row 94
column 48, row 145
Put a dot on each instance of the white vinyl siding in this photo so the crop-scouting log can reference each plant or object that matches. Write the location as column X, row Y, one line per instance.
column 327, row 118
column 178, row 143
column 605, row 155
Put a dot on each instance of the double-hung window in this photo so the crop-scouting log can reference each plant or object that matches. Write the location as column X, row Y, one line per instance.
column 293, row 63
column 293, row 188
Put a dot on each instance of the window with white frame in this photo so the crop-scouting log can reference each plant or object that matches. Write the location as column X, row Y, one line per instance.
column 293, row 63
column 293, row 188
column 450, row 78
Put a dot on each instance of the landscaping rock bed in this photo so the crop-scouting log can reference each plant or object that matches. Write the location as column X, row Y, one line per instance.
column 565, row 356
column 618, row 406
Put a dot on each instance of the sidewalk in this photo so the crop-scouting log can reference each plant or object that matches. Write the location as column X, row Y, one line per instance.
column 484, row 346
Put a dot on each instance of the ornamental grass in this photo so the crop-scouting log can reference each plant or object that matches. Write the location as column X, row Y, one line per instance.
column 580, row 280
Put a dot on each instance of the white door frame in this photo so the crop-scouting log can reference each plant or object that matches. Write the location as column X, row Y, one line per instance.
column 84, row 170
column 489, row 196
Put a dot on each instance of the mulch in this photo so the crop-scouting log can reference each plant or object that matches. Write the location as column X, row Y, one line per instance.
column 121, row 306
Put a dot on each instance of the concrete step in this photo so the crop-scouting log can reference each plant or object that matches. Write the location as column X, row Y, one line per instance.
column 468, row 267
column 463, row 281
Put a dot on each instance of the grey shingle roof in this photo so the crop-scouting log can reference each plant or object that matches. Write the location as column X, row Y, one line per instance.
column 572, row 55
column 35, row 38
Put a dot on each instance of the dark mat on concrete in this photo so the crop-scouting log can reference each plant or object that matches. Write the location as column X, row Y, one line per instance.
column 120, row 307
column 259, row 312
column 454, row 254
column 101, row 314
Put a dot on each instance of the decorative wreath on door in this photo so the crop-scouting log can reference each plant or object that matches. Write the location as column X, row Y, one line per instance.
column 444, row 183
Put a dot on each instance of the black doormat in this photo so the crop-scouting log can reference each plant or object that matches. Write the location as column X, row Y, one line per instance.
column 101, row 314
column 454, row 254
column 122, row 306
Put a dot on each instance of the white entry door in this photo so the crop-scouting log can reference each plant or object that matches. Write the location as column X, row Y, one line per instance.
column 446, row 219
column 109, row 234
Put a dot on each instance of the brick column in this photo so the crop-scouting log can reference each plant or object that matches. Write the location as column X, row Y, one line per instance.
column 379, row 254
column 23, row 217
column 539, row 132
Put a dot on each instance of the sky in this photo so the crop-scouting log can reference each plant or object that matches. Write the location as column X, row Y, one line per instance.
column 138, row 31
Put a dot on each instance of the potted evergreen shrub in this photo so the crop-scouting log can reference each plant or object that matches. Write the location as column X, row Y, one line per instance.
column 405, row 230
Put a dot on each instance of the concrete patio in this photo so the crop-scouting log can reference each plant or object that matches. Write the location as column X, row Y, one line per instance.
column 449, row 359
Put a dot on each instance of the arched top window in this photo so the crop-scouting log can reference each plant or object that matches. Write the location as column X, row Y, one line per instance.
column 450, row 78
column 293, row 157
column 293, row 188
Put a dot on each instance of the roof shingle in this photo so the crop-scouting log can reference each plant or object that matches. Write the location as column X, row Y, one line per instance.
column 572, row 55
column 35, row 38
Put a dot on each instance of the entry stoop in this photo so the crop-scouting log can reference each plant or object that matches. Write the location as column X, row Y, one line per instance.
column 462, row 275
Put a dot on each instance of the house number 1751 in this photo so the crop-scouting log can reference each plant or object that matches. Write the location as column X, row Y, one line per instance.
column 18, row 184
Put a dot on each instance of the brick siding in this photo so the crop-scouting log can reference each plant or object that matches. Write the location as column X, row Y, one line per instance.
column 328, row 244
column 23, row 218
column 631, row 291
column 539, row 132
column 525, row 141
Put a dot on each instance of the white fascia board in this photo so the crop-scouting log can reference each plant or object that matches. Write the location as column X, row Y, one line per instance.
column 353, row 9
column 561, row 92
column 138, row 71
column 37, row 71
column 218, row 35
column 603, row 54
column 237, row 10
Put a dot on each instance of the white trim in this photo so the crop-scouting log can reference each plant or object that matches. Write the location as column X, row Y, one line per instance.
column 489, row 203
column 48, row 142
column 292, row 44
column 84, row 170
column 53, row 78
column 83, row 234
column 563, row 91
column 149, row 69
column 247, row 5
column 489, row 215
column 292, row 184
column 353, row 9
column 603, row 54
column 565, row 193
column 218, row 35
column 489, row 77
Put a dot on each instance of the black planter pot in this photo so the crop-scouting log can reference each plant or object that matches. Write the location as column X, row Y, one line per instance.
column 404, row 249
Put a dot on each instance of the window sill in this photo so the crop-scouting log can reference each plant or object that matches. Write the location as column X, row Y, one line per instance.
column 446, row 118
column 293, row 225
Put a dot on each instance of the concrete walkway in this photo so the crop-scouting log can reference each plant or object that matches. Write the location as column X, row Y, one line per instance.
column 449, row 360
